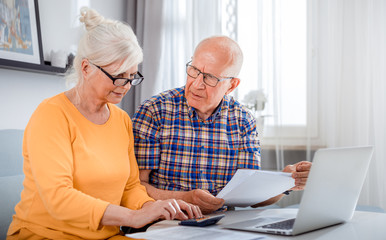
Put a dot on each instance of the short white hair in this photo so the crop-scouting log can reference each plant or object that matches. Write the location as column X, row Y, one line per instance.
column 105, row 41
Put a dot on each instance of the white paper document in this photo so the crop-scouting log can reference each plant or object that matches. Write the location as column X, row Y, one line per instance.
column 190, row 233
column 248, row 187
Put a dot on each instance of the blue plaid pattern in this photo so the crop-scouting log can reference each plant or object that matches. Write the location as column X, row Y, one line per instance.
column 185, row 152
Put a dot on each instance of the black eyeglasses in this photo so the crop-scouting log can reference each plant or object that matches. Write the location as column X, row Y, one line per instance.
column 119, row 81
column 209, row 79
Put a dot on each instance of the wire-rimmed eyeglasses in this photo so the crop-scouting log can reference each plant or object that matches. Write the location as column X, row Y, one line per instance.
column 208, row 78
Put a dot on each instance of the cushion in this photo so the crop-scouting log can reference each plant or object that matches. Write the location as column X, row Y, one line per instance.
column 10, row 190
column 11, row 156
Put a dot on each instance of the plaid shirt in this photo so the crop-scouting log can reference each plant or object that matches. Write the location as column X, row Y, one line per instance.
column 185, row 152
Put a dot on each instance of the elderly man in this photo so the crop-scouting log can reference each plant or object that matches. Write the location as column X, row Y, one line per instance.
column 190, row 141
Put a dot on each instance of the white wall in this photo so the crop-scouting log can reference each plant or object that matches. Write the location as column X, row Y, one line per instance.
column 22, row 91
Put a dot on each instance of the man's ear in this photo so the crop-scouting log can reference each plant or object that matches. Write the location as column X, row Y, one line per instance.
column 234, row 83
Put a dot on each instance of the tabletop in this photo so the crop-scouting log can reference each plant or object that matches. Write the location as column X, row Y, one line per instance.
column 363, row 225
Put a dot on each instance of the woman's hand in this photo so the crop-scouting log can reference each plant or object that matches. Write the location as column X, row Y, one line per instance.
column 163, row 209
column 193, row 211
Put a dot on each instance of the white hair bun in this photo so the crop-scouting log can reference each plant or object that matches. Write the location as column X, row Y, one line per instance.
column 90, row 18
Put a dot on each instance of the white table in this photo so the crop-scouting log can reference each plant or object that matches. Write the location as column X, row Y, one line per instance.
column 363, row 225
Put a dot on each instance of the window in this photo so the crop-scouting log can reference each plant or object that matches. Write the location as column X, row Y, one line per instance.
column 273, row 37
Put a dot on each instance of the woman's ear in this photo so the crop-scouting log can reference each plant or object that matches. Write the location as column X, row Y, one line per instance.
column 234, row 83
column 86, row 68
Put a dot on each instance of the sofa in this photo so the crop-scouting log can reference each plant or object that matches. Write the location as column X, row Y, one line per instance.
column 11, row 175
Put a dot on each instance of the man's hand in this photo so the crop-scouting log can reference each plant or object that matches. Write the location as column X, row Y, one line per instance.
column 300, row 173
column 204, row 199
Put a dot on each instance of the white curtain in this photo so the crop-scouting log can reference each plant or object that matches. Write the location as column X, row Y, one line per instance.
column 259, row 36
column 346, row 81
column 169, row 30
column 352, row 83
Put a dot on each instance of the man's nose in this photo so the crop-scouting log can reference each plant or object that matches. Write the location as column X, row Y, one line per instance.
column 199, row 81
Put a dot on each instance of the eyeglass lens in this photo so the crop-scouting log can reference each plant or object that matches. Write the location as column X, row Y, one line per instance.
column 123, row 81
column 208, row 79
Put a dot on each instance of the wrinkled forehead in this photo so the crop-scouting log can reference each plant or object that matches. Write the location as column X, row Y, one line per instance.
column 211, row 61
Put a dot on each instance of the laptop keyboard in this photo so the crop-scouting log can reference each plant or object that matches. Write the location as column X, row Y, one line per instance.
column 284, row 225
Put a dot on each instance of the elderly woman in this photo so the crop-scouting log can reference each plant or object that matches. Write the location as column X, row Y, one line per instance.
column 81, row 176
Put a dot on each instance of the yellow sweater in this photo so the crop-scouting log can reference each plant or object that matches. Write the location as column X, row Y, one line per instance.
column 73, row 169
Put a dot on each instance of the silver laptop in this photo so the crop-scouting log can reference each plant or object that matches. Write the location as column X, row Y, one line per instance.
column 332, row 191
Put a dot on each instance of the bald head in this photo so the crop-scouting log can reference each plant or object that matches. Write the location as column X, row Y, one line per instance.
column 223, row 50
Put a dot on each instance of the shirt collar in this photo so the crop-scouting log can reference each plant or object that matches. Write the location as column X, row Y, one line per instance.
column 193, row 113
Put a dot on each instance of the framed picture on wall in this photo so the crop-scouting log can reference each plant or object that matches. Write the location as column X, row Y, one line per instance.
column 20, row 38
